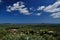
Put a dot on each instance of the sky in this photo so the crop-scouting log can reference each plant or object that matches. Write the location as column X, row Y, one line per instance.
column 30, row 11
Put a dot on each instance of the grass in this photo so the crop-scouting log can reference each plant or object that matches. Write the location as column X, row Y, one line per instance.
column 6, row 35
column 29, row 33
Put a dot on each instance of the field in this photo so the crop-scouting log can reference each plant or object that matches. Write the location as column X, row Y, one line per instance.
column 30, row 32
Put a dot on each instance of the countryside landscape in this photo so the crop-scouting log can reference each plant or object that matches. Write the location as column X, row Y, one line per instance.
column 29, row 19
column 29, row 31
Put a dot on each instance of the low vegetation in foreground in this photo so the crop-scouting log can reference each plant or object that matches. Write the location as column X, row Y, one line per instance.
column 29, row 32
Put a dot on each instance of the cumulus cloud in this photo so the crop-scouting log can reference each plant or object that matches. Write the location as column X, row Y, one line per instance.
column 50, row 8
column 0, row 1
column 41, row 8
column 19, row 6
column 56, row 15
column 38, row 14
column 54, row 9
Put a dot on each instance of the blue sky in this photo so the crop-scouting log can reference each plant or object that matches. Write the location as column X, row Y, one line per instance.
column 29, row 11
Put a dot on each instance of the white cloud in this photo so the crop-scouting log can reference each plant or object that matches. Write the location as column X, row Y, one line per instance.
column 53, row 7
column 24, row 11
column 19, row 6
column 56, row 15
column 41, row 8
column 0, row 1
column 38, row 14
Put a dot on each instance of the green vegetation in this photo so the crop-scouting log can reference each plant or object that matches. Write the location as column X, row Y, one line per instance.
column 30, row 32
